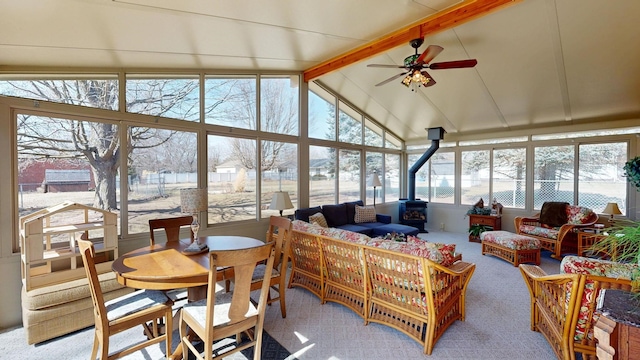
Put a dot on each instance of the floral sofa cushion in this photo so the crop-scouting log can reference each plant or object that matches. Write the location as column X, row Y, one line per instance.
column 308, row 227
column 597, row 267
column 448, row 251
column 407, row 248
column 545, row 232
column 335, row 233
column 578, row 215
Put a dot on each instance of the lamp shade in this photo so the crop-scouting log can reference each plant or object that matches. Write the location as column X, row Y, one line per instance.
column 280, row 201
column 375, row 180
column 192, row 201
column 612, row 209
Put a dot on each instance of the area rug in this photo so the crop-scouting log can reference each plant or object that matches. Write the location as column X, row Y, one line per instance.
column 77, row 345
column 271, row 349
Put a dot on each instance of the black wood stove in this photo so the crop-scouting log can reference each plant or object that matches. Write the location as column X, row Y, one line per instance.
column 413, row 213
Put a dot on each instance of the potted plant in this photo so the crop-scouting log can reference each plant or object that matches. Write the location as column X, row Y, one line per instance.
column 475, row 230
column 622, row 244
column 632, row 171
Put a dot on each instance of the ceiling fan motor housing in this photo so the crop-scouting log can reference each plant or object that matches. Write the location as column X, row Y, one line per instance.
column 416, row 43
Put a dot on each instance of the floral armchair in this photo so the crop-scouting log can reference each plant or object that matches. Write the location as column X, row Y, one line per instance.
column 556, row 226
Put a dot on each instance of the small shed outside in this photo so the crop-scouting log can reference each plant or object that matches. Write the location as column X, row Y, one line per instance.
column 66, row 180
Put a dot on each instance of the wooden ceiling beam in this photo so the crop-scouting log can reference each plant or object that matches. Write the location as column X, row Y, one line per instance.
column 444, row 20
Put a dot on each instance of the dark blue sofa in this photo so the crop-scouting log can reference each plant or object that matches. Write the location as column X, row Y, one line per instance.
column 341, row 216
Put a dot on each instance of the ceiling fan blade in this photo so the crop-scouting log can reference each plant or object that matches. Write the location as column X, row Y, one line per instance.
column 429, row 53
column 454, row 64
column 386, row 66
column 392, row 78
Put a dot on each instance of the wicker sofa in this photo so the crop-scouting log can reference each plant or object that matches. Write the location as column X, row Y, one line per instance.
column 563, row 306
column 383, row 281
column 556, row 226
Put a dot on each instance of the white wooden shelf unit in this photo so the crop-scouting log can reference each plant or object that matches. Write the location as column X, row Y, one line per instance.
column 49, row 253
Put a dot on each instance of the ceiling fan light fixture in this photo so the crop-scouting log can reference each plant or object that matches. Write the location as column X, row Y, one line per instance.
column 407, row 80
column 416, row 78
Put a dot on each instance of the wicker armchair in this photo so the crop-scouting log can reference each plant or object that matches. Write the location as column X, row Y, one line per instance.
column 551, row 310
column 399, row 288
column 556, row 226
column 563, row 306
column 598, row 274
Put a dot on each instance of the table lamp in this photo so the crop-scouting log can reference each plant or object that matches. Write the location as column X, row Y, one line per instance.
column 612, row 209
column 375, row 182
column 193, row 201
column 280, row 201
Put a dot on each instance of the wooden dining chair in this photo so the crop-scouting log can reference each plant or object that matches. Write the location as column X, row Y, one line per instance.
column 120, row 314
column 225, row 314
column 280, row 233
column 171, row 227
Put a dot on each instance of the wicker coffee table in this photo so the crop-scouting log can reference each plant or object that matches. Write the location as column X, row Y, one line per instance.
column 513, row 248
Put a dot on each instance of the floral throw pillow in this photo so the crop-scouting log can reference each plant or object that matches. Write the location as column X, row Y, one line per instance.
column 365, row 214
column 319, row 219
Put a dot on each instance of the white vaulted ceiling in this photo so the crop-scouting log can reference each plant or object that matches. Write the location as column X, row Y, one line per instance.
column 541, row 63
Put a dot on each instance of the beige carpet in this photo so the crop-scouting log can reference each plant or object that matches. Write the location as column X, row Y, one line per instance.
column 496, row 327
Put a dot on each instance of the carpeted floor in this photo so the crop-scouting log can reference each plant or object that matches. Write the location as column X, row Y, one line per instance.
column 496, row 326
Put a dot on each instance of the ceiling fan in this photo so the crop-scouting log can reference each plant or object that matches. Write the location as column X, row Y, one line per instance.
column 414, row 65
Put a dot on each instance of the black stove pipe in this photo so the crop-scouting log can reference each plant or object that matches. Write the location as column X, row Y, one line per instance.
column 435, row 135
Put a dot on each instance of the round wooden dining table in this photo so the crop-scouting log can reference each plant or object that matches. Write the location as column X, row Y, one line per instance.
column 166, row 266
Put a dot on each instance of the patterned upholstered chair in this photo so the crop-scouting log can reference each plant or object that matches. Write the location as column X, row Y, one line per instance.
column 556, row 226
column 563, row 306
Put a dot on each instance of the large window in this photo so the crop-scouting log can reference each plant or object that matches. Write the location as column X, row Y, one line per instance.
column 349, row 125
column 172, row 97
column 601, row 176
column 475, row 176
column 232, row 178
column 245, row 126
column 279, row 105
column 322, row 171
column 279, row 173
column 391, row 177
column 442, row 177
column 231, row 101
column 66, row 160
column 161, row 163
column 322, row 113
column 374, row 166
column 96, row 91
column 372, row 133
column 553, row 174
column 349, row 179
column 392, row 142
column 509, row 171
